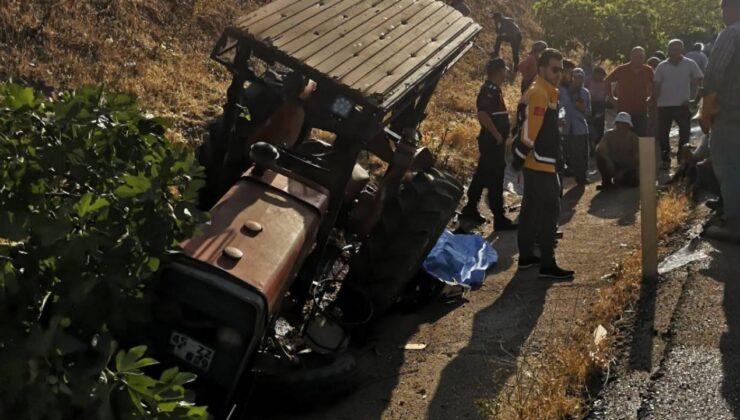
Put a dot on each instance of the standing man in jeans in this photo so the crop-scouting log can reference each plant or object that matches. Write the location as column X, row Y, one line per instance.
column 536, row 148
column 634, row 82
column 507, row 30
column 675, row 79
column 721, row 113
column 576, row 100
column 495, row 129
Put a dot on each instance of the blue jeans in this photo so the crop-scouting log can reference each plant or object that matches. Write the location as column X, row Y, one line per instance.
column 725, row 154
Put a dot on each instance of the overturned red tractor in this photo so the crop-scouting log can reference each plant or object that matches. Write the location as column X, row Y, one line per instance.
column 304, row 244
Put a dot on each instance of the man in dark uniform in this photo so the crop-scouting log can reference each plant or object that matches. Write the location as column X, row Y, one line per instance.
column 495, row 127
column 507, row 31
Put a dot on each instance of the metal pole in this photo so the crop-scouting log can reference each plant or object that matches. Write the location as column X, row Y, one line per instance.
column 648, row 209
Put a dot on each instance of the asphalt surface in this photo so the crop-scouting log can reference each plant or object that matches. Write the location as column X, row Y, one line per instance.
column 683, row 360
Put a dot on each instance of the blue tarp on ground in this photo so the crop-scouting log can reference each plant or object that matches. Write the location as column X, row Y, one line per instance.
column 461, row 259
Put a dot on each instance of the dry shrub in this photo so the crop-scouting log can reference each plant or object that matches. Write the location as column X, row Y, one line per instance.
column 553, row 384
column 672, row 211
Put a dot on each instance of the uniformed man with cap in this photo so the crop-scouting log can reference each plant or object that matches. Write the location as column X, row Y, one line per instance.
column 495, row 127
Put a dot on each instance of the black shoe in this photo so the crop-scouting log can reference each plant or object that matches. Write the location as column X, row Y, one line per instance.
column 474, row 216
column 714, row 204
column 556, row 273
column 605, row 186
column 558, row 234
column 501, row 224
column 525, row 263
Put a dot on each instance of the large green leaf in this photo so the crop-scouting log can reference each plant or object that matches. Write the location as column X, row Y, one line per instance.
column 89, row 204
column 17, row 97
column 133, row 185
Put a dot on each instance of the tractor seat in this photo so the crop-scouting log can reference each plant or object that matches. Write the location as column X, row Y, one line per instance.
column 360, row 177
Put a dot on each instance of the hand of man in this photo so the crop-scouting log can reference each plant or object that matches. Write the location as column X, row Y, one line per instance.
column 499, row 139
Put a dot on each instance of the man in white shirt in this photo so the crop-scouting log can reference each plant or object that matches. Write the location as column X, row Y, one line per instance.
column 675, row 80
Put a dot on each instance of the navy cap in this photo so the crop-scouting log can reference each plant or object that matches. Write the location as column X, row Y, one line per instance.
column 496, row 64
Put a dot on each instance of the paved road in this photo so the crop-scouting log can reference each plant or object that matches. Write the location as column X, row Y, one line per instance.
column 694, row 342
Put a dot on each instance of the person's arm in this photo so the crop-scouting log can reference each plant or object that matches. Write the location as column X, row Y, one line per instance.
column 587, row 104
column 723, row 52
column 536, row 109
column 696, row 78
column 610, row 80
column 657, row 80
column 650, row 77
column 487, row 123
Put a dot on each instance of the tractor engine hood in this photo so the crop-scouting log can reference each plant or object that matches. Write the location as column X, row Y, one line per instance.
column 261, row 231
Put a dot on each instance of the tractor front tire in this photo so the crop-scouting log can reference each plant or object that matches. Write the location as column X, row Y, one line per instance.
column 408, row 229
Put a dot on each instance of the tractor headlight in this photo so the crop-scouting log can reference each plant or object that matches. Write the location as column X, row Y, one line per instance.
column 342, row 107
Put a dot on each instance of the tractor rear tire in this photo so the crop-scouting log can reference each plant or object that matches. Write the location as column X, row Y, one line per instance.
column 408, row 229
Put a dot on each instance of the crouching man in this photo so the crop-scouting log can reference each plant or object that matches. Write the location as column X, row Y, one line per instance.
column 618, row 156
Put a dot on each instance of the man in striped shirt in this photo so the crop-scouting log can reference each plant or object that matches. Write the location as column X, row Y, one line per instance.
column 721, row 114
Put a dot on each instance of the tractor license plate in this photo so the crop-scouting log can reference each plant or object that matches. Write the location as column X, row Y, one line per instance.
column 191, row 351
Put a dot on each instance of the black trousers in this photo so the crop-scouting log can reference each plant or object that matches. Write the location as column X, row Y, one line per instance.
column 538, row 220
column 515, row 41
column 681, row 115
column 489, row 175
column 639, row 123
column 597, row 123
column 576, row 156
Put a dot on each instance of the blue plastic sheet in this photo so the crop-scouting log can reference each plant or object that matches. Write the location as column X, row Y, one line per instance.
column 461, row 259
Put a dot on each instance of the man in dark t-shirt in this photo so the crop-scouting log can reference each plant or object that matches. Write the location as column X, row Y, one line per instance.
column 495, row 128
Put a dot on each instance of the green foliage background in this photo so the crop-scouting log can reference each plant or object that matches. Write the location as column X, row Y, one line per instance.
column 93, row 197
column 610, row 28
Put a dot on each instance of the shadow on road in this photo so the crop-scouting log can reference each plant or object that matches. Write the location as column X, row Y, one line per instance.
column 723, row 268
column 569, row 202
column 621, row 204
column 481, row 369
column 641, row 348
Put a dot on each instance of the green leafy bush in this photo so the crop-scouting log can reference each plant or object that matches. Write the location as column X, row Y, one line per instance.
column 92, row 198
column 610, row 28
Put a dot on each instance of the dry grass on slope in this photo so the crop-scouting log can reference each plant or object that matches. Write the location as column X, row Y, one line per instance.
column 156, row 49
column 159, row 50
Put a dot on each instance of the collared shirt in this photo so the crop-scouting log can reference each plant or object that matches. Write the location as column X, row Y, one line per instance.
column 576, row 123
column 507, row 26
column 491, row 101
column 674, row 81
column 724, row 69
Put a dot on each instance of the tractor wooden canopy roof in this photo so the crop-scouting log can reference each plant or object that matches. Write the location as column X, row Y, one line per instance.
column 378, row 48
